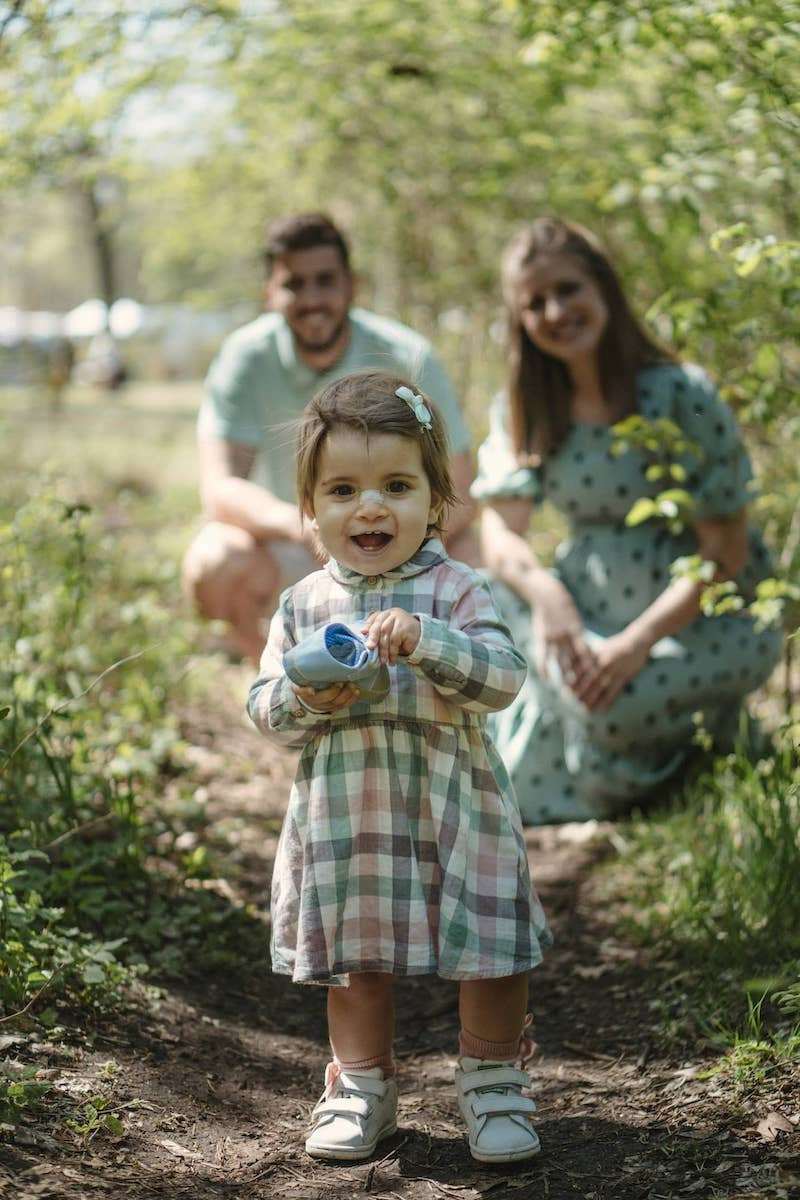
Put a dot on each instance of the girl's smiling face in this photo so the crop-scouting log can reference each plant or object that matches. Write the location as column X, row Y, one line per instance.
column 371, row 504
column 560, row 307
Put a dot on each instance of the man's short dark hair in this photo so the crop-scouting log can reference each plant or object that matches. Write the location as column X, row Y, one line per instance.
column 305, row 231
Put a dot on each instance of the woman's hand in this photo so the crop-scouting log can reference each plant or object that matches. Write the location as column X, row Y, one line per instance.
column 395, row 632
column 616, row 661
column 328, row 699
column 558, row 632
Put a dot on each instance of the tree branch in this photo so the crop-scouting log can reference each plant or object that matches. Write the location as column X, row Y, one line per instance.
column 14, row 11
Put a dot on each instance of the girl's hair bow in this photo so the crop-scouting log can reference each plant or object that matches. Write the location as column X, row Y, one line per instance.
column 417, row 406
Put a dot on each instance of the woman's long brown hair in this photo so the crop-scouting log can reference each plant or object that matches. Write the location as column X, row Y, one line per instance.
column 539, row 385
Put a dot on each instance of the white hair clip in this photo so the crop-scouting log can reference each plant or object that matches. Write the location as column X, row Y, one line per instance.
column 417, row 406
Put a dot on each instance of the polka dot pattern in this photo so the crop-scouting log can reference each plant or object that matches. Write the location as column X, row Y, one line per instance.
column 567, row 763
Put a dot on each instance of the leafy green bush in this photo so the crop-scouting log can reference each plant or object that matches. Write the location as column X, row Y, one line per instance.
column 92, row 657
column 42, row 952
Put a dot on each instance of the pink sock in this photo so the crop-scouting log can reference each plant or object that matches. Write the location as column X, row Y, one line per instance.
column 470, row 1046
column 385, row 1061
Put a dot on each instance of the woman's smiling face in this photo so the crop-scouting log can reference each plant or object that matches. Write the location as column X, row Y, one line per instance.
column 560, row 307
column 371, row 504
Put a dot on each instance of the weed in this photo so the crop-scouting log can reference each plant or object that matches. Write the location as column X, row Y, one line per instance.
column 20, row 1090
column 95, row 1116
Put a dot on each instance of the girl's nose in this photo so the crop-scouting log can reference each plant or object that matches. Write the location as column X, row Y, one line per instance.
column 553, row 308
column 370, row 500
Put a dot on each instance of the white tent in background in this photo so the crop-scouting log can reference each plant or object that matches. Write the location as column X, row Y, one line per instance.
column 126, row 317
column 19, row 325
column 85, row 321
column 13, row 326
column 43, row 325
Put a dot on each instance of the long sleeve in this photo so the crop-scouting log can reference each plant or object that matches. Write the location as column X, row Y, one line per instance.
column 273, row 706
column 471, row 660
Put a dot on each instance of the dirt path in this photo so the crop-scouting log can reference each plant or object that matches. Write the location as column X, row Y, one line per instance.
column 215, row 1082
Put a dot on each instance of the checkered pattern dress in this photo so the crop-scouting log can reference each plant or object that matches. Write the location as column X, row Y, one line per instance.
column 402, row 849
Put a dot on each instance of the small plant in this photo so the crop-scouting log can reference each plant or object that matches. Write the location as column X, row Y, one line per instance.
column 20, row 1090
column 788, row 1000
column 95, row 1116
column 752, row 1049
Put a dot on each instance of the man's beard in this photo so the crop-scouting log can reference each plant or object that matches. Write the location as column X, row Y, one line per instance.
column 320, row 347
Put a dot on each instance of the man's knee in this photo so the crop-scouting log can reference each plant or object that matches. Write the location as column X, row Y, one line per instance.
column 221, row 564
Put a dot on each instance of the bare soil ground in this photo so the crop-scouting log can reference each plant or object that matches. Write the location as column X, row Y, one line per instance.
column 214, row 1080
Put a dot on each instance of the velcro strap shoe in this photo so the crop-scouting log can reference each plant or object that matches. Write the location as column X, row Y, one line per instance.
column 357, row 1110
column 498, row 1116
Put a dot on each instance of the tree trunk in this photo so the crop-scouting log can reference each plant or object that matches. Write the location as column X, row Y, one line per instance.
column 102, row 244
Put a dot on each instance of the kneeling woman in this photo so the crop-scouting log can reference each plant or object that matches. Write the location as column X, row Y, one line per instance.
column 620, row 659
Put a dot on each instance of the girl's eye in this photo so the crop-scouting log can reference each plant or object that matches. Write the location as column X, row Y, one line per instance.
column 342, row 489
column 536, row 304
column 568, row 289
column 396, row 486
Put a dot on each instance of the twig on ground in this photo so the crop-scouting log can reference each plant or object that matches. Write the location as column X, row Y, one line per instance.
column 57, row 708
column 33, row 999
column 584, row 1051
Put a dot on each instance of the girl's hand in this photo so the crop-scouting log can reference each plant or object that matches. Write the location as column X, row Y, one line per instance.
column 558, row 632
column 395, row 632
column 329, row 699
column 616, row 661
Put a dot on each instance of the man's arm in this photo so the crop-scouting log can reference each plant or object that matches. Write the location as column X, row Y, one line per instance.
column 462, row 469
column 229, row 496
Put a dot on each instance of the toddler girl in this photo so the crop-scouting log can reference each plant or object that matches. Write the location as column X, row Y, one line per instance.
column 401, row 852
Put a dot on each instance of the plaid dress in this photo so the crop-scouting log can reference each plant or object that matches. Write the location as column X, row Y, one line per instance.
column 402, row 849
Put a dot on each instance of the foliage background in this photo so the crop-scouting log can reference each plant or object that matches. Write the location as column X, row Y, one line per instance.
column 431, row 129
column 142, row 148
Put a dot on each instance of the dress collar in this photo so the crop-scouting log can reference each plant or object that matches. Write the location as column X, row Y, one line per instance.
column 430, row 554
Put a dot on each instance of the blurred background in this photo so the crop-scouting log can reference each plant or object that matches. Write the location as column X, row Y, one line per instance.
column 144, row 146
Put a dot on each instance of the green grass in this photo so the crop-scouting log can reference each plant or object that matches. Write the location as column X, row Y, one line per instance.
column 720, row 873
column 711, row 882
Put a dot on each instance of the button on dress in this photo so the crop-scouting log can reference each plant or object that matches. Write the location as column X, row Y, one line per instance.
column 402, row 848
column 567, row 763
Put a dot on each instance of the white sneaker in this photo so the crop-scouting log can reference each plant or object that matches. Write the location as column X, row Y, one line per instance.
column 357, row 1109
column 498, row 1116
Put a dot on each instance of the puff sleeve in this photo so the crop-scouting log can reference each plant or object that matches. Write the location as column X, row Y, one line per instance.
column 499, row 473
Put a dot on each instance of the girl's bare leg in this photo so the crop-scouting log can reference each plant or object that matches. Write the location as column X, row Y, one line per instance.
column 361, row 1018
column 494, row 1010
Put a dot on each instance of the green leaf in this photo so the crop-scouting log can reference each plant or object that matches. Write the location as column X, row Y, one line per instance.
column 767, row 364
column 641, row 511
column 678, row 496
column 748, row 264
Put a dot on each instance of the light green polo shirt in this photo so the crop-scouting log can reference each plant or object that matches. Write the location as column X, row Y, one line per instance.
column 257, row 387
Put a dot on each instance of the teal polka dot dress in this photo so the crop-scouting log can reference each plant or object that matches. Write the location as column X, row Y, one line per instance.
column 567, row 763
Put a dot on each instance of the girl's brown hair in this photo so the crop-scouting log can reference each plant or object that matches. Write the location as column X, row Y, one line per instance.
column 367, row 401
column 539, row 386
